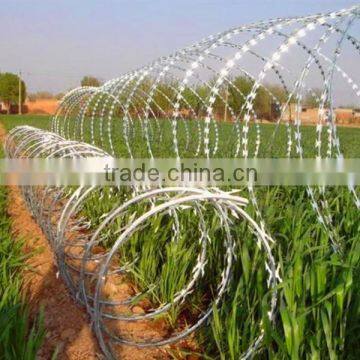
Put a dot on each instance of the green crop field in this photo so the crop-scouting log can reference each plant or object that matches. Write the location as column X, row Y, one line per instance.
column 318, row 313
column 20, row 338
column 272, row 145
column 39, row 121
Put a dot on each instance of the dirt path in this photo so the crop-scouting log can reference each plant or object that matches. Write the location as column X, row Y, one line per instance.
column 67, row 324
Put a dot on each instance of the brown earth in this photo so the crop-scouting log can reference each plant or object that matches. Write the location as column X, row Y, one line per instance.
column 67, row 325
column 42, row 106
column 68, row 329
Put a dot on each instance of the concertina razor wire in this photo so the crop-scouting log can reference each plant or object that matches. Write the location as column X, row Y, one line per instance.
column 176, row 103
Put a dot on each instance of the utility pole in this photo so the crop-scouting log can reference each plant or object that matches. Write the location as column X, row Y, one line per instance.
column 20, row 100
column 226, row 102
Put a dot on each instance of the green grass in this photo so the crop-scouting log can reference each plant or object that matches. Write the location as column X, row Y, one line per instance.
column 318, row 313
column 350, row 146
column 319, row 298
column 39, row 121
column 273, row 144
column 319, row 305
column 20, row 338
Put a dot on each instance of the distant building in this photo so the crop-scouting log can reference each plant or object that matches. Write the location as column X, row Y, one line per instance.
column 310, row 115
column 347, row 116
column 11, row 108
column 3, row 108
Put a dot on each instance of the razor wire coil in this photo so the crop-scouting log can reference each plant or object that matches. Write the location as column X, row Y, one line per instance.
column 137, row 106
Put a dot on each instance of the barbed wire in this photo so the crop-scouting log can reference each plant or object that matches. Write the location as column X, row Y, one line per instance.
column 182, row 93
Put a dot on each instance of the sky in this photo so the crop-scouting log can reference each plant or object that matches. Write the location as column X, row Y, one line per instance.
column 56, row 42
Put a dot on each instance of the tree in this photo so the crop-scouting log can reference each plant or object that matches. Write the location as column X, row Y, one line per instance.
column 196, row 101
column 9, row 89
column 46, row 95
column 90, row 81
column 312, row 98
column 59, row 96
column 238, row 93
column 163, row 98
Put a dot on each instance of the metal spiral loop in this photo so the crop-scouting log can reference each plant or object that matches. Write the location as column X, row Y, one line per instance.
column 89, row 268
column 172, row 105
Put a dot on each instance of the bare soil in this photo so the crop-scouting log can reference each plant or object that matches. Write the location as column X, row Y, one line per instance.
column 42, row 106
column 67, row 325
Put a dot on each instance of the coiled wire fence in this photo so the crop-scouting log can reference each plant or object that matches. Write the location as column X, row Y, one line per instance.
column 202, row 101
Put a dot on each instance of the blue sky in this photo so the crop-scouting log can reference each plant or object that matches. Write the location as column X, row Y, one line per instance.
column 56, row 42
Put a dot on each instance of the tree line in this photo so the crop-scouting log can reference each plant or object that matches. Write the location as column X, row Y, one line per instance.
column 228, row 102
